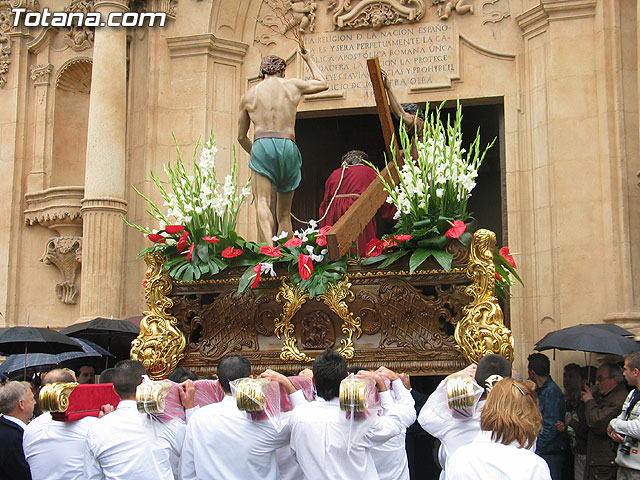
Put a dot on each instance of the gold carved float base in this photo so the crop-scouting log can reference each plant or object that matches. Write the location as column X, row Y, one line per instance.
column 430, row 322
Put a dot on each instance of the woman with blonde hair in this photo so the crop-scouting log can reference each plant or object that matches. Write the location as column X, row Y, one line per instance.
column 504, row 449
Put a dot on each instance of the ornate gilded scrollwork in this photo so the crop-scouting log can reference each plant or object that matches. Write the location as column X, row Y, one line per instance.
column 160, row 344
column 481, row 331
column 54, row 397
column 335, row 298
column 293, row 299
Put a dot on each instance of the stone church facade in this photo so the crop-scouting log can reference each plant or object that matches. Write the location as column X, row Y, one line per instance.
column 87, row 113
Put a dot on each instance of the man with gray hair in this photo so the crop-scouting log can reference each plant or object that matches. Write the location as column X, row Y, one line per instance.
column 16, row 406
column 55, row 450
column 602, row 405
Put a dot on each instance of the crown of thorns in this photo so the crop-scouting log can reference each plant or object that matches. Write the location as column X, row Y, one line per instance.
column 271, row 65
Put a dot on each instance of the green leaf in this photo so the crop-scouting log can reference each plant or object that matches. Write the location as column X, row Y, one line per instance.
column 173, row 261
column 465, row 239
column 435, row 243
column 443, row 258
column 372, row 260
column 393, row 257
column 245, row 279
column 196, row 272
column 213, row 267
column 204, row 268
column 202, row 251
column 417, row 258
column 188, row 274
column 179, row 271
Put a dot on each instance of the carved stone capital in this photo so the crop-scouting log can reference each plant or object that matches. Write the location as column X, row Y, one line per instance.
column 66, row 254
column 40, row 74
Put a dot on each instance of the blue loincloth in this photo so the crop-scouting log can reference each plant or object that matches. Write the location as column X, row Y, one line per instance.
column 279, row 160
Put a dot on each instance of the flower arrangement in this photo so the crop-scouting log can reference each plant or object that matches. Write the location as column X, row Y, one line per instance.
column 431, row 197
column 197, row 234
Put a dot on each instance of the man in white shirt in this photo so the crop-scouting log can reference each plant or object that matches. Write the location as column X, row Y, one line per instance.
column 222, row 443
column 16, row 406
column 437, row 419
column 55, row 450
column 124, row 444
column 319, row 432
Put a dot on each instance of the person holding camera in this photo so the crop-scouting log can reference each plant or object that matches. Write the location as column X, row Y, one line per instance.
column 625, row 429
column 601, row 404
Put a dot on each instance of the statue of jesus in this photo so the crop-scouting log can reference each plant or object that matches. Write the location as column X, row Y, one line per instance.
column 275, row 159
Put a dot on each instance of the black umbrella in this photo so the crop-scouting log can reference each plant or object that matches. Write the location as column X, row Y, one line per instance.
column 36, row 340
column 43, row 362
column 606, row 338
column 114, row 335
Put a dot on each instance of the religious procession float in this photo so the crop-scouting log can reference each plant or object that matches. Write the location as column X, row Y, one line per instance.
column 422, row 299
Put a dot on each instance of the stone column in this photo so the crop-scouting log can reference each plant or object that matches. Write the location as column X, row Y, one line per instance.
column 103, row 230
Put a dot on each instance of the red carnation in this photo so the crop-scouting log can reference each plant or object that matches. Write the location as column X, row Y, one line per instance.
column 155, row 238
column 504, row 251
column 231, row 252
column 190, row 252
column 401, row 237
column 374, row 248
column 257, row 269
column 293, row 242
column 498, row 277
column 456, row 229
column 182, row 241
column 271, row 251
column 211, row 239
column 171, row 229
column 305, row 266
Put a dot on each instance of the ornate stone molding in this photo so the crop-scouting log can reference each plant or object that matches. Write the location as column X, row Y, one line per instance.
column 57, row 208
column 40, row 74
column 75, row 75
column 352, row 14
column 66, row 254
column 5, row 40
column 160, row 345
column 225, row 51
column 481, row 331
column 80, row 38
column 163, row 6
column 547, row 11
column 445, row 8
column 494, row 11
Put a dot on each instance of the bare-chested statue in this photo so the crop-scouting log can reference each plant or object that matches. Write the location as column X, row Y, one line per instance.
column 275, row 159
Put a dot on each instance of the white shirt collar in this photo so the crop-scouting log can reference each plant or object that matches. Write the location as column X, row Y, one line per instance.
column 17, row 421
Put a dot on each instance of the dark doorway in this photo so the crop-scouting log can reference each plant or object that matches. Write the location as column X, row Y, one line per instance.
column 323, row 141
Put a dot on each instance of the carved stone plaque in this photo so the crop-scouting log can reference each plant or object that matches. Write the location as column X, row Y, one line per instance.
column 415, row 56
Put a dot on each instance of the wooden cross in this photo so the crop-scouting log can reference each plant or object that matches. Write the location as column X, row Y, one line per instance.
column 352, row 223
